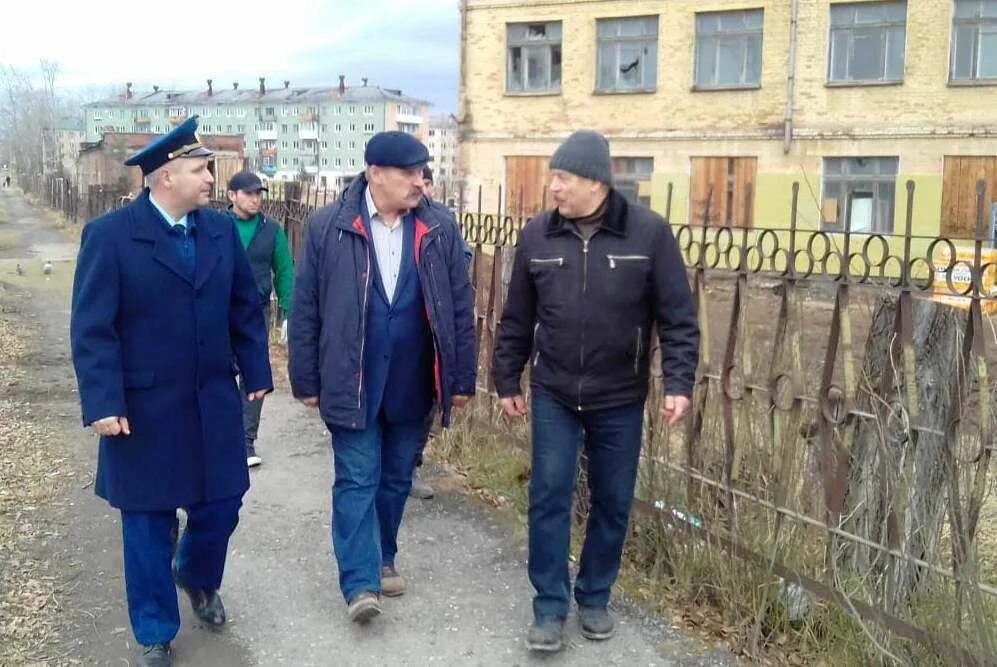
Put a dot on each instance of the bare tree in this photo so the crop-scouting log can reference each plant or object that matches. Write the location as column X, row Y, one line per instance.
column 29, row 107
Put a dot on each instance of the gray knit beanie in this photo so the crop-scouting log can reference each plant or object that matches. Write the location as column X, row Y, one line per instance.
column 585, row 153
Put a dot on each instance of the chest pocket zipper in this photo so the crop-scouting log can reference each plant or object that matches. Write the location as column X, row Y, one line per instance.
column 536, row 357
column 548, row 261
column 614, row 260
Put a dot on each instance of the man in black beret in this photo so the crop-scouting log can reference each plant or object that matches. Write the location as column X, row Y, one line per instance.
column 381, row 331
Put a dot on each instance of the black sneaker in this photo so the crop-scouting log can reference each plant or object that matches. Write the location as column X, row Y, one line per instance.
column 252, row 459
column 156, row 655
column 596, row 623
column 545, row 635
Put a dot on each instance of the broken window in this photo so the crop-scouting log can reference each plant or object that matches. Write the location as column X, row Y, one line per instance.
column 974, row 40
column 867, row 42
column 729, row 49
column 534, row 63
column 627, row 53
column 860, row 192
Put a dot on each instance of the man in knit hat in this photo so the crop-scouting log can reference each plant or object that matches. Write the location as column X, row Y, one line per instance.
column 591, row 280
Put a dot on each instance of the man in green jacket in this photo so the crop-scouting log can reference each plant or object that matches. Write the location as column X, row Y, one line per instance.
column 270, row 256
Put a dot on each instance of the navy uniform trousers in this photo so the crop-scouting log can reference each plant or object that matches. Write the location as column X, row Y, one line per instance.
column 149, row 540
column 373, row 466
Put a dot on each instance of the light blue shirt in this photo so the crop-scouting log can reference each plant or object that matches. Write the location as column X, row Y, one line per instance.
column 167, row 217
column 388, row 246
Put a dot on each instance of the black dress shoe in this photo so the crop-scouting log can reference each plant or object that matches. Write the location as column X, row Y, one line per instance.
column 156, row 655
column 207, row 605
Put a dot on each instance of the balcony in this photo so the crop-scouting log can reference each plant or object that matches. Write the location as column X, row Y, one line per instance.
column 142, row 120
column 176, row 120
column 267, row 135
column 308, row 117
column 409, row 118
column 268, row 152
column 308, row 132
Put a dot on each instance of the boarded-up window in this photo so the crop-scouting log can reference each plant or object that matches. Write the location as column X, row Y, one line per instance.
column 526, row 178
column 719, row 190
column 959, row 194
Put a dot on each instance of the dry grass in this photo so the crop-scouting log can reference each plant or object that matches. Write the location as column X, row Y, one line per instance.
column 30, row 480
column 707, row 591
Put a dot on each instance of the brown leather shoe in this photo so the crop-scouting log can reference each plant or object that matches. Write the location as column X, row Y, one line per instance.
column 363, row 607
column 392, row 583
column 420, row 489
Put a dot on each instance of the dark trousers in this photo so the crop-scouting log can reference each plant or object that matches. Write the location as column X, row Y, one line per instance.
column 430, row 418
column 251, row 411
column 612, row 440
column 373, row 478
column 148, row 539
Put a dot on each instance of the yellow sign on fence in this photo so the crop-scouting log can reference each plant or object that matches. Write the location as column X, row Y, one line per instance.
column 962, row 278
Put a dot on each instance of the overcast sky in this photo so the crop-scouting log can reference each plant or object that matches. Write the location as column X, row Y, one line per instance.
column 406, row 44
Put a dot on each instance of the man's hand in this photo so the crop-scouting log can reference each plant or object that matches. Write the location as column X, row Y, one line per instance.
column 674, row 408
column 514, row 406
column 111, row 426
column 310, row 401
column 460, row 401
column 257, row 395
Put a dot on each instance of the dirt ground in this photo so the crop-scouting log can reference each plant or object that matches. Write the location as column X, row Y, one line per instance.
column 61, row 587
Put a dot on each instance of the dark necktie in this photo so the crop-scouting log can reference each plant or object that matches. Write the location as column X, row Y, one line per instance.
column 185, row 243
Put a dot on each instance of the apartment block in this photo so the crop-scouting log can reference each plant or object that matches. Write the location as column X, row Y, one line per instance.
column 312, row 133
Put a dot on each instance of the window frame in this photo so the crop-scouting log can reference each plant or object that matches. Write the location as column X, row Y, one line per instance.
column 885, row 26
column 744, row 34
column 981, row 25
column 626, row 181
column 644, row 40
column 844, row 179
column 545, row 43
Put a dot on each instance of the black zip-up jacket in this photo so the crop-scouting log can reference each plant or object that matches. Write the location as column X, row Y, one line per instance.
column 580, row 312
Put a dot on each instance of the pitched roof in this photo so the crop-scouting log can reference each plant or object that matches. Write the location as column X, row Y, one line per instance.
column 289, row 95
column 133, row 141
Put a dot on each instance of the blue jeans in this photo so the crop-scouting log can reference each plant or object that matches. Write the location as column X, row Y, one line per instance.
column 200, row 559
column 373, row 478
column 612, row 439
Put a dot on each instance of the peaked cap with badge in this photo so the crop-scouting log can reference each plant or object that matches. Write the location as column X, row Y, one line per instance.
column 181, row 141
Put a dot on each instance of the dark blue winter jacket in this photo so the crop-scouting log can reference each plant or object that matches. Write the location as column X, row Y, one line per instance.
column 333, row 287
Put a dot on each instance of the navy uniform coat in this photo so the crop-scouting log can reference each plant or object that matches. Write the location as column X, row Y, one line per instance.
column 155, row 344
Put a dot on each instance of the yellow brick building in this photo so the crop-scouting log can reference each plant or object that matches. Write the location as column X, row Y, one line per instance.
column 852, row 99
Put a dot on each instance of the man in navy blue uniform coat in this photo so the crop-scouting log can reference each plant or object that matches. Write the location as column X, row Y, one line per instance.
column 381, row 330
column 164, row 302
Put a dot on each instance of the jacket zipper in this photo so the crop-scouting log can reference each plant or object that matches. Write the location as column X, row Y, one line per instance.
column 437, row 355
column 581, row 351
column 363, row 325
column 614, row 258
column 536, row 358
column 637, row 357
